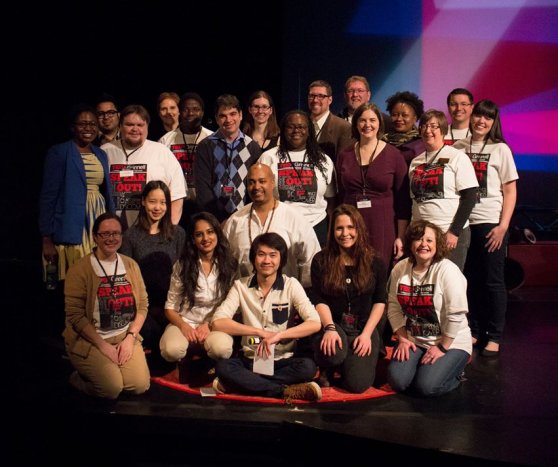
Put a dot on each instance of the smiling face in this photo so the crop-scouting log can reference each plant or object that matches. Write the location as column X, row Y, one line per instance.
column 168, row 112
column 267, row 261
column 432, row 135
column 155, row 205
column 260, row 183
column 108, row 238
column 345, row 232
column 424, row 249
column 460, row 108
column 296, row 132
column 368, row 124
column 318, row 101
column 229, row 120
column 403, row 117
column 260, row 109
column 85, row 128
column 133, row 130
column 356, row 94
column 481, row 126
column 205, row 238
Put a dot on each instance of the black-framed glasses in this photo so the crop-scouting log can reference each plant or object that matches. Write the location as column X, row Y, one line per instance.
column 105, row 235
column 356, row 91
column 296, row 127
column 320, row 97
column 430, row 126
column 106, row 114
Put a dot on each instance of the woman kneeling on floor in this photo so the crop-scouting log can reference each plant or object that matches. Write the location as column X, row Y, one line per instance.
column 200, row 281
column 269, row 302
column 349, row 291
column 106, row 306
column 427, row 309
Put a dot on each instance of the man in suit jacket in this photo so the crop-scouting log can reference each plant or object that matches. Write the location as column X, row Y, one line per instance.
column 333, row 133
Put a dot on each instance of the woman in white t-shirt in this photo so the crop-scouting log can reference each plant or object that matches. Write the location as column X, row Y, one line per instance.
column 489, row 220
column 443, row 186
column 304, row 174
column 427, row 309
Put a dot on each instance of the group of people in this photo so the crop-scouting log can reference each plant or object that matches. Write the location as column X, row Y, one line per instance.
column 286, row 253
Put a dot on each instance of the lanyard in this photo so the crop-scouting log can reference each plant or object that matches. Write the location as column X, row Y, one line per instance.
column 451, row 133
column 126, row 154
column 109, row 280
column 421, row 283
column 433, row 158
column 188, row 153
column 299, row 176
column 364, row 172
column 471, row 146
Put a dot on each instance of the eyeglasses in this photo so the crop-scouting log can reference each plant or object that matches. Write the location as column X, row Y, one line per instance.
column 404, row 116
column 84, row 125
column 431, row 126
column 320, row 97
column 107, row 114
column 356, row 91
column 105, row 235
column 296, row 127
column 257, row 108
column 460, row 104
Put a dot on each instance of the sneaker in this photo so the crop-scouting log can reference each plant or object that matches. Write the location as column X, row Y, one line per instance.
column 218, row 386
column 304, row 391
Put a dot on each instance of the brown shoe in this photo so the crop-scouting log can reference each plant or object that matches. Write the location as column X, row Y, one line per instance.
column 303, row 391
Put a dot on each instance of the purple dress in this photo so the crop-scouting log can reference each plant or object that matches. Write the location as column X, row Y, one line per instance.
column 387, row 187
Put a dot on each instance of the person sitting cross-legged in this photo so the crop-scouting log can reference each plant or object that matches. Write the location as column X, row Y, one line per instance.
column 269, row 303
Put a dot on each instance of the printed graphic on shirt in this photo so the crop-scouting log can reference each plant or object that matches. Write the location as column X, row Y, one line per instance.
column 117, row 307
column 185, row 155
column 128, row 181
column 418, row 305
column 280, row 312
column 428, row 182
column 480, row 163
column 297, row 182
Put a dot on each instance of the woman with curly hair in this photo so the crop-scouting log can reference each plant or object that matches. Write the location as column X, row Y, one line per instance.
column 427, row 309
column 304, row 174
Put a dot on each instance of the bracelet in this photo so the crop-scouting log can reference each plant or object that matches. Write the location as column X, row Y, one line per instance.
column 131, row 333
column 442, row 348
column 330, row 327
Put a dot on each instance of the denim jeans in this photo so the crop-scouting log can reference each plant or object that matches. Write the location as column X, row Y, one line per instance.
column 430, row 379
column 486, row 286
column 236, row 375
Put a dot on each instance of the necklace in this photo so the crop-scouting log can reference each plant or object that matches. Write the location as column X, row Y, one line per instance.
column 109, row 280
column 250, row 220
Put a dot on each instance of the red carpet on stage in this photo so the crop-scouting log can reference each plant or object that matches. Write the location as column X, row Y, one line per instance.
column 331, row 394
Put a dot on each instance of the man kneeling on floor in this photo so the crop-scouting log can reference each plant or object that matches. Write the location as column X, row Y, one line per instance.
column 269, row 303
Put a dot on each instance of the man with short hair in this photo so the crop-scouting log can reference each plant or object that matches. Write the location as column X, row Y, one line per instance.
column 333, row 133
column 267, row 214
column 460, row 107
column 223, row 160
column 357, row 92
column 108, row 118
column 270, row 304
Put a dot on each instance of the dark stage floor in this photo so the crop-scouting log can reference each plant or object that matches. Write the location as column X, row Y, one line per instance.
column 505, row 413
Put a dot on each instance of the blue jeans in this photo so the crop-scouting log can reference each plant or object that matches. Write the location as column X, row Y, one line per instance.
column 427, row 380
column 357, row 373
column 236, row 375
column 486, row 286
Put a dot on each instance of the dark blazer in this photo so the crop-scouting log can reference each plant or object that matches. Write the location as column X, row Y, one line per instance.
column 335, row 136
column 64, row 192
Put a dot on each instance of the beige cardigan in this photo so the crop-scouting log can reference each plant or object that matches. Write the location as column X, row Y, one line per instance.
column 80, row 292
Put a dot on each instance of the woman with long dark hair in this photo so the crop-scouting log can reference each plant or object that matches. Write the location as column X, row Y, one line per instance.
column 349, row 292
column 200, row 281
column 489, row 222
column 156, row 244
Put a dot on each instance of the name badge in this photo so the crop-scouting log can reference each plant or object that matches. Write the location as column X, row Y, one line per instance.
column 227, row 191
column 126, row 173
column 363, row 202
